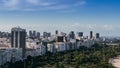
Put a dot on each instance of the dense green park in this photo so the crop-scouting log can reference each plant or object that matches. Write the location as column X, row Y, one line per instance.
column 96, row 56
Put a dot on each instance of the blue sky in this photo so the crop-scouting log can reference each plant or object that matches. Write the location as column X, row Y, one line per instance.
column 101, row 16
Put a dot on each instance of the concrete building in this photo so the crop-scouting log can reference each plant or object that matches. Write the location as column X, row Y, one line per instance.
column 18, row 39
column 51, row 48
column 30, row 33
column 72, row 35
column 38, row 34
column 91, row 34
column 56, row 32
column 60, row 46
column 73, row 45
column 97, row 35
column 80, row 34
column 34, row 34
column 10, row 55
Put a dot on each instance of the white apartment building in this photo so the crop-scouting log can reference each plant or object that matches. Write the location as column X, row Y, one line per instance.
column 11, row 54
column 60, row 46
column 51, row 48
column 36, row 50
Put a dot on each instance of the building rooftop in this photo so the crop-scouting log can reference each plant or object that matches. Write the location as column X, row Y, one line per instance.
column 17, row 29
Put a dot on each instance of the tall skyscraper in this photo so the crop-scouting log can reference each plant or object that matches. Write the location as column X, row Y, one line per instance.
column 56, row 32
column 49, row 34
column 18, row 39
column 80, row 34
column 72, row 35
column 30, row 34
column 44, row 34
column 34, row 33
column 60, row 39
column 38, row 34
column 97, row 35
column 0, row 34
column 91, row 34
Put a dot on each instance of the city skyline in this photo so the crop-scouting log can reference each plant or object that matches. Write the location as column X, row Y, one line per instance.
column 64, row 15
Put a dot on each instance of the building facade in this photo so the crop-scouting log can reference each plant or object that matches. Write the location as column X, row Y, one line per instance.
column 18, row 38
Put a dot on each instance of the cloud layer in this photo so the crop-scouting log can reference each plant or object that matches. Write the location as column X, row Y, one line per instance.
column 40, row 4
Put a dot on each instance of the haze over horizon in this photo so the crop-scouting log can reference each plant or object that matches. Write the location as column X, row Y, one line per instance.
column 102, row 16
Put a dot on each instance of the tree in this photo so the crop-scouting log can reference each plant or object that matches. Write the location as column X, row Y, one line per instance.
column 56, row 65
column 62, row 66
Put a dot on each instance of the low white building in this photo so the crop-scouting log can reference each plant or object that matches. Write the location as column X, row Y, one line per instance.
column 67, row 46
column 51, row 48
column 41, row 49
column 11, row 54
column 87, row 42
column 60, row 46
column 79, row 43
column 73, row 45
column 36, row 51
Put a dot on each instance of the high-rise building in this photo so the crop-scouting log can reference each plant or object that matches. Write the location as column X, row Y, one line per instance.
column 0, row 34
column 56, row 32
column 45, row 44
column 44, row 34
column 18, row 39
column 91, row 34
column 60, row 39
column 80, row 34
column 34, row 33
column 30, row 34
column 49, row 34
column 38, row 34
column 97, row 35
column 72, row 35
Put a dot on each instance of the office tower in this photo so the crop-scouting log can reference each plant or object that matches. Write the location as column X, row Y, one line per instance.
column 56, row 32
column 48, row 34
column 34, row 33
column 60, row 39
column 97, row 35
column 0, row 34
column 44, row 34
column 80, row 34
column 18, row 39
column 9, row 35
column 72, row 35
column 30, row 33
column 45, row 44
column 4, row 34
column 38, row 34
column 91, row 34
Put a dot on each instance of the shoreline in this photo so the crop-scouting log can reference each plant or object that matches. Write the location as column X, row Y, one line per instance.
column 115, row 61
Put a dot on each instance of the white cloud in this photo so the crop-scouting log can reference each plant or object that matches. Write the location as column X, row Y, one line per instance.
column 36, row 2
column 79, row 3
column 108, row 27
column 10, row 4
column 40, row 4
